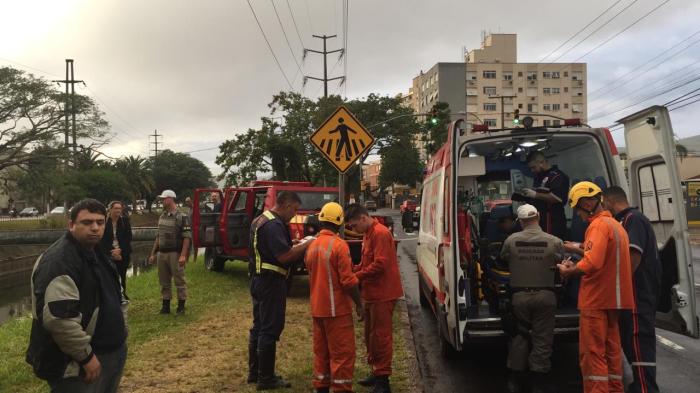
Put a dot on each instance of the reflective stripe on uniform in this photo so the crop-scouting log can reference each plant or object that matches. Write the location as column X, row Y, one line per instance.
column 327, row 257
column 322, row 377
column 615, row 377
column 643, row 364
column 596, row 378
column 259, row 264
column 341, row 381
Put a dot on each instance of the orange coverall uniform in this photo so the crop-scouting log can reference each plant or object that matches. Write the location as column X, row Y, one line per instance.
column 380, row 286
column 605, row 289
column 330, row 276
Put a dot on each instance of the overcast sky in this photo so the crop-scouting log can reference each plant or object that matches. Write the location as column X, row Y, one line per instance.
column 200, row 72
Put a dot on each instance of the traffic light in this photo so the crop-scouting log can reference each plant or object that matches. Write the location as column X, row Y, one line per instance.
column 434, row 116
column 516, row 117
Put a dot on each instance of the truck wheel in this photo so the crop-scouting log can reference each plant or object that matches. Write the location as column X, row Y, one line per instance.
column 422, row 299
column 213, row 262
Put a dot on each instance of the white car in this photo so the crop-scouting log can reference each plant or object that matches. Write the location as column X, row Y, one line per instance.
column 58, row 210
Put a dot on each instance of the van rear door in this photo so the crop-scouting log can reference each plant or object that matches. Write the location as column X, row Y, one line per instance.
column 655, row 187
column 238, row 213
column 205, row 220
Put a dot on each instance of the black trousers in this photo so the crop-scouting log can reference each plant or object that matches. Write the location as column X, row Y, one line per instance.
column 269, row 293
column 638, row 338
column 122, row 267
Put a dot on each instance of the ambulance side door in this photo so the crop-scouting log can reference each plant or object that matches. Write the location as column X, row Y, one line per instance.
column 655, row 187
column 205, row 221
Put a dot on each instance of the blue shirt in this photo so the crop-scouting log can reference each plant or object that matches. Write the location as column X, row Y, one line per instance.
column 647, row 277
column 552, row 218
column 273, row 240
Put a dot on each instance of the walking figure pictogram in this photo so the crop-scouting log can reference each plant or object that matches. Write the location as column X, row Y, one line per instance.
column 344, row 141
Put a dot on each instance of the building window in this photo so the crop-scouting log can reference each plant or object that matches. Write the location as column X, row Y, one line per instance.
column 471, row 75
column 577, row 76
column 532, row 108
column 490, row 90
column 556, row 107
column 566, row 89
column 489, row 74
column 547, row 107
column 576, row 108
column 532, row 75
column 507, row 76
column 547, row 91
column 520, row 89
column 490, row 122
column 520, row 106
column 550, row 74
column 555, row 75
column 490, row 106
column 520, row 74
column 547, row 123
column 471, row 92
column 556, row 123
column 555, row 90
column 566, row 106
column 566, row 73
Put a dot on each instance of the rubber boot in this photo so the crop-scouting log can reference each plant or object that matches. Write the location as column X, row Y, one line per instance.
column 541, row 383
column 267, row 380
column 323, row 390
column 381, row 384
column 252, row 360
column 166, row 307
column 369, row 381
column 515, row 382
column 180, row 307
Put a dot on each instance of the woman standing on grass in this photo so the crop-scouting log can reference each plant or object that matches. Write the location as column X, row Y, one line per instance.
column 116, row 242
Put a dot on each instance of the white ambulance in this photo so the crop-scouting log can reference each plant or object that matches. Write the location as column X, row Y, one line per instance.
column 468, row 188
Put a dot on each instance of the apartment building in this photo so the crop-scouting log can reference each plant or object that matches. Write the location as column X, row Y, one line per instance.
column 491, row 84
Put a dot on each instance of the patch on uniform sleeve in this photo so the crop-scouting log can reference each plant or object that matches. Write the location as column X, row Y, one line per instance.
column 588, row 246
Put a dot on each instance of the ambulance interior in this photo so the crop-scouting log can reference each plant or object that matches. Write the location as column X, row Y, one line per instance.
column 490, row 171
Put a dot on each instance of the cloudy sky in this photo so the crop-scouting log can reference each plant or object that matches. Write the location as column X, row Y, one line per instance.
column 199, row 72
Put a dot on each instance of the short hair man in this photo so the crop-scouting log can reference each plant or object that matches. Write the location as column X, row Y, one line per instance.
column 637, row 330
column 549, row 194
column 606, row 288
column 271, row 252
column 380, row 281
column 532, row 256
column 333, row 288
column 72, row 345
column 172, row 248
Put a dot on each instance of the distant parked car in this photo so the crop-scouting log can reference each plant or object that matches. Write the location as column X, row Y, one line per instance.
column 58, row 210
column 29, row 212
column 371, row 205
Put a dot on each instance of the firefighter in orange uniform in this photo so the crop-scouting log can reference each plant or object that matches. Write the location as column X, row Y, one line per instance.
column 333, row 288
column 380, row 286
column 606, row 288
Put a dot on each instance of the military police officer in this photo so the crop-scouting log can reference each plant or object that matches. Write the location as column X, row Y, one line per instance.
column 271, row 251
column 172, row 246
column 532, row 256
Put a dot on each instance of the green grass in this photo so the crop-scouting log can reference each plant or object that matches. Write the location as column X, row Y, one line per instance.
column 60, row 222
column 205, row 350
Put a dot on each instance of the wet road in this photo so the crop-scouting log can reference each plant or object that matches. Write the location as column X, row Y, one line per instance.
column 481, row 368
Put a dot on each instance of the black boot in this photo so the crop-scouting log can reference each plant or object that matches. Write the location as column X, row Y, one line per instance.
column 369, row 381
column 166, row 307
column 267, row 380
column 323, row 390
column 180, row 307
column 381, row 384
column 541, row 383
column 516, row 382
column 252, row 360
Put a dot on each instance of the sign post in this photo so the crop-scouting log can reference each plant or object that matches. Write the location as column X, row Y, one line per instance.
column 342, row 140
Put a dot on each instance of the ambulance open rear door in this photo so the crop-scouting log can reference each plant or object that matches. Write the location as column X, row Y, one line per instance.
column 655, row 188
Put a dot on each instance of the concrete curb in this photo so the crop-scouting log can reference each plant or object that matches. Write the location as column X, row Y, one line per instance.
column 413, row 368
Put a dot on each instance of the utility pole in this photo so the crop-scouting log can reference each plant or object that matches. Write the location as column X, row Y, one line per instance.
column 70, row 89
column 503, row 112
column 155, row 142
column 325, row 80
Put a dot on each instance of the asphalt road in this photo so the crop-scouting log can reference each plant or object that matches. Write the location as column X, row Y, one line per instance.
column 481, row 368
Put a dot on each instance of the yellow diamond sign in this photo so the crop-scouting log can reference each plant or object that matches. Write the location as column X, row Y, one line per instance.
column 342, row 139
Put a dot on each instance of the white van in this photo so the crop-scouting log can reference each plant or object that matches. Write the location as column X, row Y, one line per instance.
column 468, row 186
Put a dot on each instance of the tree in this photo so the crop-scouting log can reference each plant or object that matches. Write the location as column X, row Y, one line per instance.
column 103, row 184
column 178, row 172
column 400, row 164
column 31, row 114
column 141, row 183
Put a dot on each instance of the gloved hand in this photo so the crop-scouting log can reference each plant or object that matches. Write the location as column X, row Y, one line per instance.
column 529, row 192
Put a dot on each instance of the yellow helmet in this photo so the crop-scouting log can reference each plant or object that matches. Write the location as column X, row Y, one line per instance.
column 583, row 189
column 332, row 212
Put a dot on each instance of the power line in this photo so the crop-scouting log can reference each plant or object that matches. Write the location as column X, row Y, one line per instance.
column 308, row 14
column 289, row 45
column 683, row 106
column 681, row 98
column 270, row 46
column 621, row 31
column 296, row 28
column 325, row 54
column 595, row 31
column 608, row 85
column 580, row 31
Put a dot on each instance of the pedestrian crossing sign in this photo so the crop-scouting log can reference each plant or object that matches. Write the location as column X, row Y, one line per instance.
column 342, row 139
